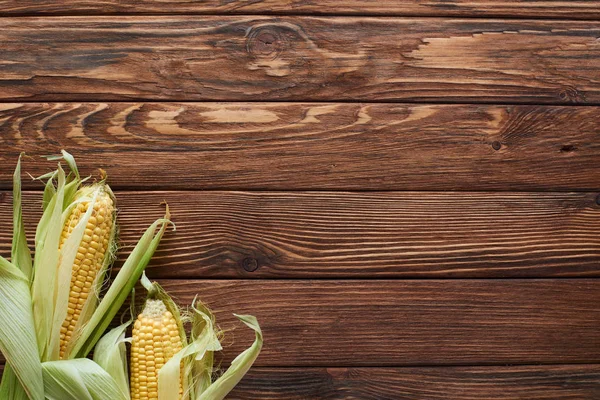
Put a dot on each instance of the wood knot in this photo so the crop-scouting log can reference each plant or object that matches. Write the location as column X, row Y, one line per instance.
column 250, row 264
column 571, row 95
column 265, row 43
column 568, row 148
column 496, row 145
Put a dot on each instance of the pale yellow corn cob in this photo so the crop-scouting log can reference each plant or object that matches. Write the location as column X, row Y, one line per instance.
column 155, row 339
column 89, row 260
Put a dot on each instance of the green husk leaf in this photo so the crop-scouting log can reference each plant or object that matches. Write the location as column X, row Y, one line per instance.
column 70, row 160
column 111, row 354
column 10, row 387
column 20, row 253
column 80, row 379
column 49, row 193
column 201, row 369
column 121, row 287
column 49, row 200
column 73, row 180
column 70, row 192
column 170, row 374
column 45, row 266
column 242, row 363
column 17, row 338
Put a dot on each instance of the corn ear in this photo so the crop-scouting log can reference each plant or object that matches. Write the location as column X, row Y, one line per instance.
column 111, row 354
column 80, row 379
column 160, row 317
column 67, row 258
column 17, row 338
column 87, row 251
column 55, row 259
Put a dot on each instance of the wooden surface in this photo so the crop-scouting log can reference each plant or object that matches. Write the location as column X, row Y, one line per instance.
column 573, row 382
column 577, row 9
column 405, row 193
column 333, row 235
column 414, row 322
column 312, row 146
column 299, row 58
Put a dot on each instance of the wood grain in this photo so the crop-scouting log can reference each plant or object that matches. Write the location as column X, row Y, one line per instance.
column 299, row 58
column 293, row 146
column 581, row 9
column 407, row 323
column 327, row 235
column 548, row 382
column 574, row 382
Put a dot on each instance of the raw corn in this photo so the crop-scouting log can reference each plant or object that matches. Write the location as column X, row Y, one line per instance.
column 37, row 293
column 155, row 339
column 89, row 260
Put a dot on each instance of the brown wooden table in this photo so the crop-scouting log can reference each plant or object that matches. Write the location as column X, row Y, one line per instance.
column 405, row 193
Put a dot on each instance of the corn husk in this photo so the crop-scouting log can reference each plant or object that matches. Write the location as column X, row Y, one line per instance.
column 43, row 290
column 239, row 366
column 80, row 379
column 202, row 368
column 111, row 354
column 17, row 338
column 16, row 287
column 20, row 254
column 11, row 388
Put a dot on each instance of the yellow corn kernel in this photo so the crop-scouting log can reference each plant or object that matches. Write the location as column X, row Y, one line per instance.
column 89, row 260
column 155, row 339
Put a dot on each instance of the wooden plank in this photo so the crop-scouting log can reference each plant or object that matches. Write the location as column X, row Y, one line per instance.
column 299, row 58
column 548, row 382
column 325, row 234
column 407, row 323
column 575, row 9
column 311, row 145
column 564, row 382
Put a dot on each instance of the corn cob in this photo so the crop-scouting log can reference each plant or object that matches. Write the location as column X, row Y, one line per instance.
column 90, row 257
column 156, row 338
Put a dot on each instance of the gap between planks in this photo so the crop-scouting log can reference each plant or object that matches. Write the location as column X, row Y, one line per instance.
column 505, row 17
column 420, row 8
